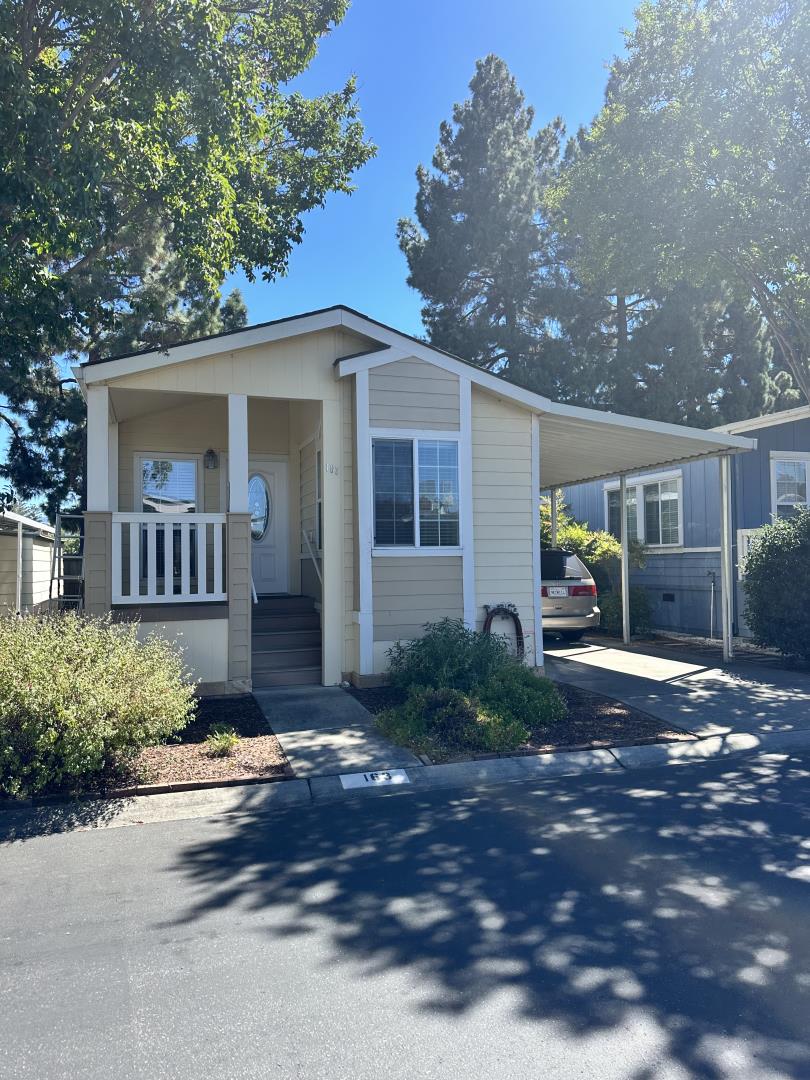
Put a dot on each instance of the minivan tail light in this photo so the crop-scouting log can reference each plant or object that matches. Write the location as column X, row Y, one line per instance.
column 582, row 590
column 543, row 590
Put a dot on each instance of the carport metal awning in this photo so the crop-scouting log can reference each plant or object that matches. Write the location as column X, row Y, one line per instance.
column 580, row 445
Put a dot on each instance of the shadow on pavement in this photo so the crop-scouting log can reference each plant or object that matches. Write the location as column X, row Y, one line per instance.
column 24, row 822
column 673, row 903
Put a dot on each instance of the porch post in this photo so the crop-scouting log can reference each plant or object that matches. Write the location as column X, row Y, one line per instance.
column 18, row 590
column 625, row 560
column 726, row 582
column 237, row 454
column 365, row 525
column 553, row 496
column 332, row 503
column 537, row 574
column 98, row 448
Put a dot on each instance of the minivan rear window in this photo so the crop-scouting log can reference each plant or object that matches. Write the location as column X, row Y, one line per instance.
column 558, row 565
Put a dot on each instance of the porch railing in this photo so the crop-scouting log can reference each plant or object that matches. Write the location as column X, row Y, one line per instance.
column 168, row 558
column 745, row 538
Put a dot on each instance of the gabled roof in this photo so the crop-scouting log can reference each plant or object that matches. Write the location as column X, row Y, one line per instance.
column 576, row 444
column 786, row 416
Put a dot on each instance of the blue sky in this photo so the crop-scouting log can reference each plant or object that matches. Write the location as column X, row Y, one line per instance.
column 413, row 60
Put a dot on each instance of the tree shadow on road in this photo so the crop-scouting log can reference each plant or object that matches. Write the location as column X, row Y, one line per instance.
column 674, row 900
column 24, row 822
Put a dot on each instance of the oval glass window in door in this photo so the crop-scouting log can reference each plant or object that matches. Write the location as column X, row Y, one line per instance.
column 260, row 506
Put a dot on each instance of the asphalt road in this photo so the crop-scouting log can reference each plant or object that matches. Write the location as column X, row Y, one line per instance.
column 646, row 926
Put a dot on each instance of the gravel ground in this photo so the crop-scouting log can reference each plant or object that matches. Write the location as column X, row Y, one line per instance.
column 593, row 721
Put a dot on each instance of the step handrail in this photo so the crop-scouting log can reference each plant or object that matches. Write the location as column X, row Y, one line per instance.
column 312, row 556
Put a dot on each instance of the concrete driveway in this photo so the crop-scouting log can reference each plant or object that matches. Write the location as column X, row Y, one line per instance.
column 687, row 691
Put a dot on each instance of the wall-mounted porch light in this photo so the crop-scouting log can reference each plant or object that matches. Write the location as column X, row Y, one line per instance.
column 211, row 459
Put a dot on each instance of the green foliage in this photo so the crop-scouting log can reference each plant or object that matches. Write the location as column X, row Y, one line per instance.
column 599, row 550
column 697, row 167
column 777, row 586
column 478, row 249
column 466, row 694
column 447, row 655
column 610, row 606
column 444, row 722
column 516, row 693
column 80, row 695
column 148, row 152
column 221, row 741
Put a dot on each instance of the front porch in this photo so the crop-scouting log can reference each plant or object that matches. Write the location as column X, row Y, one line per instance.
column 207, row 516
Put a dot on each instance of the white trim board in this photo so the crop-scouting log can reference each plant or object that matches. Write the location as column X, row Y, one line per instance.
column 786, row 416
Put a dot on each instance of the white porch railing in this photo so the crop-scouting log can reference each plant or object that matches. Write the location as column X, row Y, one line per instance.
column 745, row 538
column 168, row 558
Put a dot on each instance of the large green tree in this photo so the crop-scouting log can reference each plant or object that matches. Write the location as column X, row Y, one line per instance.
column 698, row 166
column 478, row 248
column 146, row 139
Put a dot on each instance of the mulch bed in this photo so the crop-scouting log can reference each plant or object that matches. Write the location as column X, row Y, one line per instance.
column 257, row 756
column 593, row 721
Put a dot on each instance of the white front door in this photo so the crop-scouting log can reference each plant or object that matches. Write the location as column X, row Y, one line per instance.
column 269, row 524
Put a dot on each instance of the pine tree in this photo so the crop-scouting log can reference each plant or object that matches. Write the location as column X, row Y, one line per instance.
column 478, row 249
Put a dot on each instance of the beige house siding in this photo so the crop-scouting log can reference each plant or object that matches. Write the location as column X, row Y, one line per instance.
column 502, row 507
column 36, row 579
column 413, row 394
column 408, row 591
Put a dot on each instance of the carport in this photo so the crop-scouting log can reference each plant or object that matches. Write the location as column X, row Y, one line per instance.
column 578, row 446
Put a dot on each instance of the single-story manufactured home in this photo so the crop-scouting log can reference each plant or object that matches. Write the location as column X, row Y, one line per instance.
column 26, row 552
column 676, row 514
column 290, row 499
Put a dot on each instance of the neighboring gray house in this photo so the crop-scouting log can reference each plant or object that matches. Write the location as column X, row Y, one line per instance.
column 676, row 514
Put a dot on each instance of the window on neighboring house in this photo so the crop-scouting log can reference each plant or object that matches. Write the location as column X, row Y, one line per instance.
column 411, row 473
column 659, row 522
column 661, row 513
column 614, row 514
column 789, row 484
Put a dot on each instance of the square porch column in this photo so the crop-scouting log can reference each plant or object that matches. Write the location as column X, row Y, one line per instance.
column 333, row 570
column 98, row 515
column 239, row 574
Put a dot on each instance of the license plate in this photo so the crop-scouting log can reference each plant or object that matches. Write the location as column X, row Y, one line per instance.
column 558, row 590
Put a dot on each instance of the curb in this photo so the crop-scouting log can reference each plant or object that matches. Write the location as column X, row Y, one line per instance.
column 261, row 797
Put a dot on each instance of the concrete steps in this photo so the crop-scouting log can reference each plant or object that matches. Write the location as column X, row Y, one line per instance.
column 286, row 642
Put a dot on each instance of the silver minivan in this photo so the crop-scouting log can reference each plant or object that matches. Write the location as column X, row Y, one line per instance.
column 568, row 595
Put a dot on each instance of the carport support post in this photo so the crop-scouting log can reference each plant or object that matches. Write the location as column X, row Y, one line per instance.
column 553, row 496
column 726, row 583
column 625, row 560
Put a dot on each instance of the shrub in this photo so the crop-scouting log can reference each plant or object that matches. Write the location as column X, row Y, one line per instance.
column 448, row 655
column 79, row 695
column 640, row 616
column 221, row 741
column 443, row 722
column 777, row 586
column 465, row 693
column 517, row 693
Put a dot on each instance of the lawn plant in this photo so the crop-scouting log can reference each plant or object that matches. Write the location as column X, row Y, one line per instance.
column 465, row 693
column 81, row 696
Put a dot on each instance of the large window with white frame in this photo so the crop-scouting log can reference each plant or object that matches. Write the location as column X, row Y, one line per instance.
column 654, row 510
column 790, row 482
column 416, row 493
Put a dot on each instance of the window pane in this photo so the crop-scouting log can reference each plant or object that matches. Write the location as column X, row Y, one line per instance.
column 169, row 487
column 791, row 486
column 393, row 492
column 669, row 512
column 652, row 527
column 438, row 494
column 632, row 513
column 614, row 517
